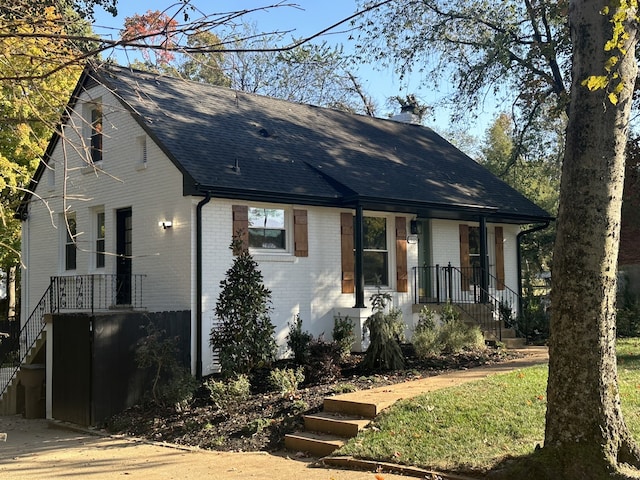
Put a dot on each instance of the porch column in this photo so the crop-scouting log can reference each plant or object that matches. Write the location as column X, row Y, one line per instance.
column 484, row 262
column 359, row 260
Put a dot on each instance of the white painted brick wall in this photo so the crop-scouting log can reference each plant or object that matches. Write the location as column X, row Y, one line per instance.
column 154, row 194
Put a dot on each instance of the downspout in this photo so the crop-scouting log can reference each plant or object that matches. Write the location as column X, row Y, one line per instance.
column 201, row 204
column 518, row 250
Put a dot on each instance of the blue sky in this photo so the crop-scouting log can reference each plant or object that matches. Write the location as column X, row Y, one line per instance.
column 311, row 17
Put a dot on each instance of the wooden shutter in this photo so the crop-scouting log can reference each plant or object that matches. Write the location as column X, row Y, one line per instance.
column 465, row 263
column 401, row 255
column 241, row 225
column 499, row 258
column 346, row 248
column 300, row 233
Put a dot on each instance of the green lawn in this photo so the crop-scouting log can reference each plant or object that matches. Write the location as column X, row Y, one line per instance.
column 474, row 426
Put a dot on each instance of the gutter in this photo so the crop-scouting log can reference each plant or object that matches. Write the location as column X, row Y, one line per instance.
column 518, row 250
column 199, row 207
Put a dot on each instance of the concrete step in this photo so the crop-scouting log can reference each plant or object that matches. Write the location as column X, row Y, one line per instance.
column 339, row 424
column 316, row 444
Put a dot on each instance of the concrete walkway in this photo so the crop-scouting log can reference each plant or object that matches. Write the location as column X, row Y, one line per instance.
column 383, row 397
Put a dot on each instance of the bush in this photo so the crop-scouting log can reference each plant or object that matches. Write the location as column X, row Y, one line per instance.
column 533, row 324
column 386, row 331
column 457, row 336
column 628, row 314
column 172, row 383
column 343, row 334
column 324, row 362
column 452, row 336
column 299, row 341
column 287, row 380
column 228, row 392
column 244, row 334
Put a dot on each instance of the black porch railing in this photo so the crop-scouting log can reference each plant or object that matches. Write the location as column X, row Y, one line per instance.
column 82, row 293
column 97, row 292
column 462, row 287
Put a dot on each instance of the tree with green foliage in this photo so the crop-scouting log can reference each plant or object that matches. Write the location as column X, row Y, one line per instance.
column 243, row 335
column 516, row 53
column 313, row 73
column 536, row 176
column 30, row 108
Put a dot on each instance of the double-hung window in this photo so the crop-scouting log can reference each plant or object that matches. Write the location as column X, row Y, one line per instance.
column 267, row 229
column 375, row 251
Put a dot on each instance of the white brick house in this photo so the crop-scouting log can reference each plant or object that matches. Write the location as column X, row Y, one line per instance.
column 154, row 175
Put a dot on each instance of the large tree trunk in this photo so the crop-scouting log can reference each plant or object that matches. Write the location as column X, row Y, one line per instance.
column 585, row 431
column 586, row 436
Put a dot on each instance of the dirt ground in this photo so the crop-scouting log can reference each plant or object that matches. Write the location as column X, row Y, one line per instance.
column 32, row 451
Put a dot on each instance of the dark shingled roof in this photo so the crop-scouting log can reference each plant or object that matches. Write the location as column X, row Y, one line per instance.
column 309, row 155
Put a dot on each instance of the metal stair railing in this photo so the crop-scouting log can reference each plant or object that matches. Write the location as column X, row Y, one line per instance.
column 437, row 284
column 27, row 338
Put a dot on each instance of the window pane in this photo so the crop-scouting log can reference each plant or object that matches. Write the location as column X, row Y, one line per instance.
column 375, row 233
column 96, row 135
column 267, row 238
column 266, row 218
column 376, row 268
column 474, row 241
column 70, row 246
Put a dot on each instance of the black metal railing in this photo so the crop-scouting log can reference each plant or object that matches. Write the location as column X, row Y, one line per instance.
column 97, row 292
column 462, row 287
column 80, row 293
column 17, row 353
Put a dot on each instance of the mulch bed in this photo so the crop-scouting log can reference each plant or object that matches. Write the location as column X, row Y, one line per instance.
column 260, row 422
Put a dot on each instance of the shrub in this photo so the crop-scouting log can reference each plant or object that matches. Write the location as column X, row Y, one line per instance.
column 457, row 336
column 228, row 392
column 343, row 334
column 244, row 334
column 452, row 336
column 533, row 324
column 324, row 362
column 628, row 314
column 286, row 380
column 386, row 330
column 299, row 341
column 449, row 313
column 172, row 383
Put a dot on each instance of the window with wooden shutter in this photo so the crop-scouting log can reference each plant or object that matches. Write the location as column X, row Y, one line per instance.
column 346, row 249
column 300, row 233
column 465, row 263
column 241, row 225
column 499, row 240
column 401, row 255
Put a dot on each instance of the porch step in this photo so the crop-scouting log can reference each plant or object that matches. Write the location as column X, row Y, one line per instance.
column 316, row 444
column 329, row 430
column 352, row 407
column 338, row 424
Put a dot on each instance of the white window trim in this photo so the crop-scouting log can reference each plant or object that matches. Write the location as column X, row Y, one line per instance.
column 274, row 254
column 391, row 253
column 94, row 238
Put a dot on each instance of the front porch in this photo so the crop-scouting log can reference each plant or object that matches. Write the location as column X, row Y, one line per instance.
column 481, row 297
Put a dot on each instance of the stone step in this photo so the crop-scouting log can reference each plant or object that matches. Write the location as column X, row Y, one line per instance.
column 339, row 424
column 316, row 444
column 357, row 408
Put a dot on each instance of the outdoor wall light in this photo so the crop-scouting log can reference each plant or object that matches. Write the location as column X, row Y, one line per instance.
column 412, row 239
column 165, row 224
